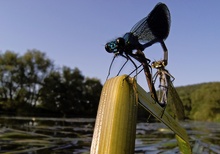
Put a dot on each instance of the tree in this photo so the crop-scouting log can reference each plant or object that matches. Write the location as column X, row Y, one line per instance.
column 50, row 92
column 69, row 93
column 9, row 68
column 63, row 91
column 21, row 77
column 29, row 82
column 35, row 67
column 92, row 91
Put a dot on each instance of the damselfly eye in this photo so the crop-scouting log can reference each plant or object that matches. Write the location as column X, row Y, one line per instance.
column 120, row 42
column 107, row 48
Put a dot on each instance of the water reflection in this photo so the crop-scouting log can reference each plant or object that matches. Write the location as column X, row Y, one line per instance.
column 57, row 135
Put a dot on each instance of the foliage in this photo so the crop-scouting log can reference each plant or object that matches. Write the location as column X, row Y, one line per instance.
column 201, row 101
column 70, row 93
column 30, row 83
column 21, row 77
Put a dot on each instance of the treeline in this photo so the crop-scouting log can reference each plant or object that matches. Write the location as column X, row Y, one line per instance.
column 201, row 101
column 30, row 84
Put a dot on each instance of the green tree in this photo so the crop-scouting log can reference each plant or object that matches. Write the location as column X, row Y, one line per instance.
column 50, row 92
column 35, row 67
column 63, row 91
column 9, row 68
column 201, row 101
column 69, row 93
column 29, row 82
column 21, row 77
column 92, row 91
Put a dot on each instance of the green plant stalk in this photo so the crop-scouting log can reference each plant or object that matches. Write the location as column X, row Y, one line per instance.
column 183, row 145
column 151, row 106
column 115, row 126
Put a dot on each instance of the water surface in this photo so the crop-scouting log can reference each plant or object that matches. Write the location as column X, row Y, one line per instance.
column 29, row 135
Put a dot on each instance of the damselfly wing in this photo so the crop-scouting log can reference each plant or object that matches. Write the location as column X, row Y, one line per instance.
column 155, row 26
column 176, row 102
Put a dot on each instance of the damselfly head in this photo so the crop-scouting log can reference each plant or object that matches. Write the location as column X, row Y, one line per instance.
column 115, row 46
column 158, row 64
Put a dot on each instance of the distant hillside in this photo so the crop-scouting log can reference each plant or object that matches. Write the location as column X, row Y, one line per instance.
column 201, row 101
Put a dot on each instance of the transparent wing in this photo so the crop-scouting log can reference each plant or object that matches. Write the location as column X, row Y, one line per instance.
column 174, row 99
column 155, row 26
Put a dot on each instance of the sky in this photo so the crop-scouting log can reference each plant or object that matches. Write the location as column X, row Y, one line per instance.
column 73, row 33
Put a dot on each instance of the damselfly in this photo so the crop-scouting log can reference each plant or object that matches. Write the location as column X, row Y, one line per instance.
column 166, row 89
column 152, row 29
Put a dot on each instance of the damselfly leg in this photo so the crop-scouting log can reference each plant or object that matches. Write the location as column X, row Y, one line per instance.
column 122, row 66
column 135, row 70
column 127, row 57
column 109, row 70
column 139, row 56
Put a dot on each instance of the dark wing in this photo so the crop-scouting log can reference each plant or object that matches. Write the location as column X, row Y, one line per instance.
column 175, row 101
column 155, row 26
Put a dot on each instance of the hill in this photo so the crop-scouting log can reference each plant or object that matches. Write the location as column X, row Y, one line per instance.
column 201, row 101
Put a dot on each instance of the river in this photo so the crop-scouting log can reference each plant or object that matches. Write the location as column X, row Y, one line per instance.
column 30, row 135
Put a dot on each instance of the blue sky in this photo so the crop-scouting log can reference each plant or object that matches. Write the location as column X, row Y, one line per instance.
column 73, row 33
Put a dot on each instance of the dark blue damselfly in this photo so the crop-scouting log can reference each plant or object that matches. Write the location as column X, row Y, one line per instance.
column 152, row 29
